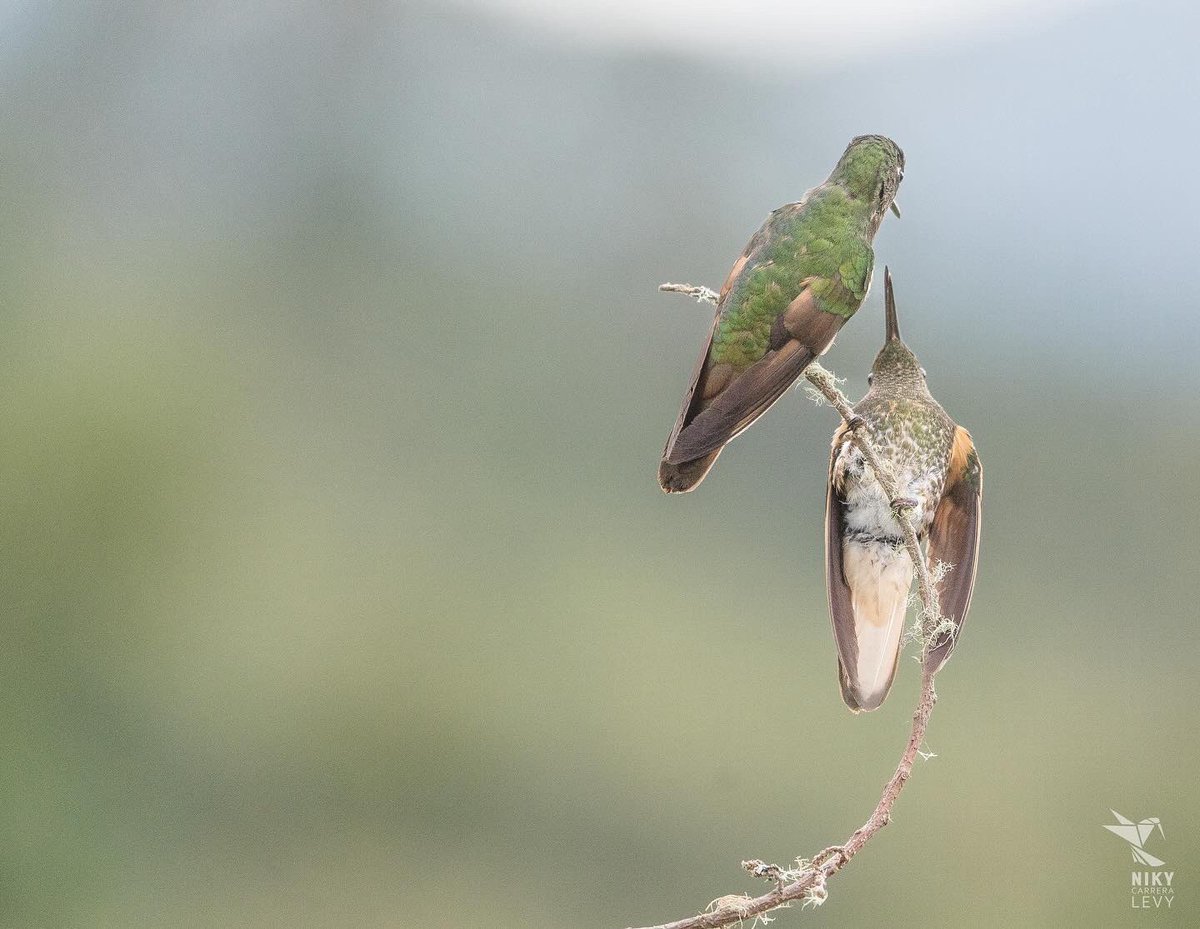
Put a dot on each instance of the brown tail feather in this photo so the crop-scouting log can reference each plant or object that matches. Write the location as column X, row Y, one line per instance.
column 686, row 475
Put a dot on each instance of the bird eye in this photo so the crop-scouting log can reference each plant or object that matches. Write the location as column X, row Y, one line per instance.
column 870, row 378
column 922, row 372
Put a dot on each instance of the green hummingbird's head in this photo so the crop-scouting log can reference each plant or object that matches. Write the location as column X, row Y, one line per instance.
column 871, row 169
column 896, row 369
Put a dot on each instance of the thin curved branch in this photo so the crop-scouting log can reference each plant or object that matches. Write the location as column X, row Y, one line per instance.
column 807, row 881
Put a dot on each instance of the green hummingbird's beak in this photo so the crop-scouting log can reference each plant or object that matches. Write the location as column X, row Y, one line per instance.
column 895, row 208
column 891, row 323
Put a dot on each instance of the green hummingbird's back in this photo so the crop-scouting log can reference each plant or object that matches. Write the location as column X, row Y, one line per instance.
column 820, row 242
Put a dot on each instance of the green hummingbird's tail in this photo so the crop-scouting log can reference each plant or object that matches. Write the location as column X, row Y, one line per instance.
column 679, row 478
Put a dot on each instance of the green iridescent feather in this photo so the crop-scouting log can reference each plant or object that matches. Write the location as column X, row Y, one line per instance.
column 822, row 242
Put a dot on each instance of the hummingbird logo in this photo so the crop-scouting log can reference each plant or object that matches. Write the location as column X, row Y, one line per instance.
column 1136, row 835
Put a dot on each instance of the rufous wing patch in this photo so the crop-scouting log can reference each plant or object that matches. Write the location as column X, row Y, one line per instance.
column 954, row 540
column 808, row 324
column 716, row 378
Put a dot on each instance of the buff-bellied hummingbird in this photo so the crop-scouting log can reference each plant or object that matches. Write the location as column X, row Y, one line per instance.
column 868, row 570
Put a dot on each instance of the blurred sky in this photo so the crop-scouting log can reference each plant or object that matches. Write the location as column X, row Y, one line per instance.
column 783, row 35
column 338, row 587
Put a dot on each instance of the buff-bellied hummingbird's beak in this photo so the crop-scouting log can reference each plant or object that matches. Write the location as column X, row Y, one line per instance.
column 892, row 324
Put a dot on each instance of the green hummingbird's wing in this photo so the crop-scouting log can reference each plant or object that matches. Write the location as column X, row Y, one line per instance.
column 954, row 539
column 674, row 478
column 743, row 400
column 729, row 401
column 707, row 377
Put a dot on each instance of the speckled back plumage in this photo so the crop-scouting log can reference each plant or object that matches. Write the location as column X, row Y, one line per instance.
column 914, row 436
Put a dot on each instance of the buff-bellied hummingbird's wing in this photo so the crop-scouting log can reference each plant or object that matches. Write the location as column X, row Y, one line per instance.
column 954, row 539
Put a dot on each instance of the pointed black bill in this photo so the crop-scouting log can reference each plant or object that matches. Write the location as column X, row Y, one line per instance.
column 889, row 301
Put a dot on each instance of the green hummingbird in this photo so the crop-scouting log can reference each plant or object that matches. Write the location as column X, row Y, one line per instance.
column 802, row 275
column 868, row 570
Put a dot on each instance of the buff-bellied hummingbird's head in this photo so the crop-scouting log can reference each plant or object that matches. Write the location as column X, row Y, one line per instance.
column 871, row 169
column 896, row 369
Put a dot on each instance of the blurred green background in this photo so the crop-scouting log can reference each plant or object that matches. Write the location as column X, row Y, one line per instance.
column 338, row 587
